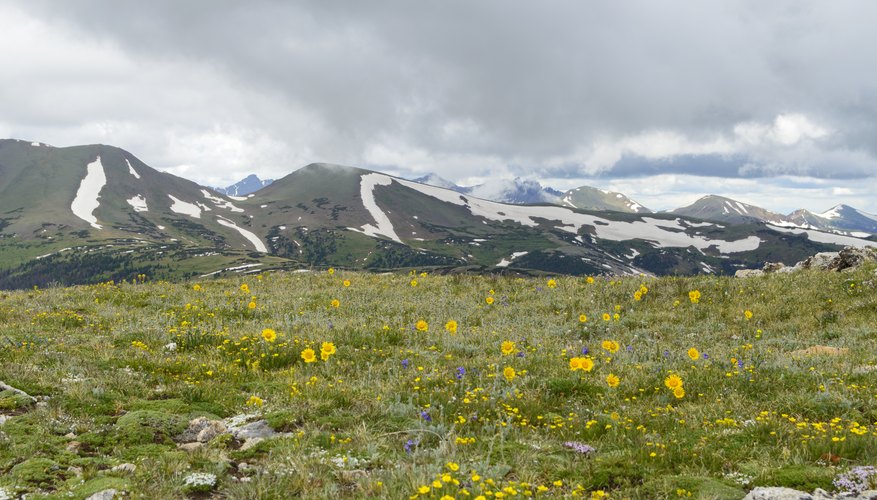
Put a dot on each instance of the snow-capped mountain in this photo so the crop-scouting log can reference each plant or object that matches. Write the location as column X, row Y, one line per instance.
column 94, row 213
column 842, row 219
column 838, row 218
column 517, row 191
column 590, row 198
column 720, row 208
column 248, row 185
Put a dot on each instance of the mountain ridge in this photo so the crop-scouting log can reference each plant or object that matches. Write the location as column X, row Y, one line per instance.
column 334, row 215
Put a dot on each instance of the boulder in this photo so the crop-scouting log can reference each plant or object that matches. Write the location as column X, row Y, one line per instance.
column 104, row 495
column 201, row 430
column 819, row 261
column 748, row 273
column 772, row 267
column 776, row 493
column 851, row 257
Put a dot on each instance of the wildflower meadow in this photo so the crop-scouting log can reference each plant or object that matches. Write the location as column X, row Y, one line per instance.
column 415, row 385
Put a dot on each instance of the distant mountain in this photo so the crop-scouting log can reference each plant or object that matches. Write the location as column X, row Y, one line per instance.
column 840, row 219
column 589, row 198
column 719, row 208
column 248, row 185
column 438, row 181
column 93, row 213
column 515, row 191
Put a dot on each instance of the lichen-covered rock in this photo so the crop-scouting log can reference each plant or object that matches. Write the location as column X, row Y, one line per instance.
column 777, row 493
column 819, row 261
column 748, row 273
column 109, row 494
column 201, row 430
column 851, row 257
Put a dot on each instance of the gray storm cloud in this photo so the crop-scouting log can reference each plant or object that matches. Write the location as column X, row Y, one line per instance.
column 739, row 89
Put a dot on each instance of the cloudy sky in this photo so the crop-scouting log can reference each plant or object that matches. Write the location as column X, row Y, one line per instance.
column 772, row 103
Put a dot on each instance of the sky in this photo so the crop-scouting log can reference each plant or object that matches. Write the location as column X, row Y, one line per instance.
column 771, row 103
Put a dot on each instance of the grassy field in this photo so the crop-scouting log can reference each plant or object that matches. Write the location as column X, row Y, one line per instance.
column 428, row 386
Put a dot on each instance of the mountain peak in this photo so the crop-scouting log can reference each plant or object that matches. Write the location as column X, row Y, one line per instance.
column 248, row 185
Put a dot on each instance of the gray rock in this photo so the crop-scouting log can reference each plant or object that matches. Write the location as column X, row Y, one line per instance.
column 76, row 471
column 190, row 447
column 820, row 261
column 257, row 429
column 748, row 273
column 128, row 468
column 201, row 430
column 249, row 443
column 772, row 267
column 6, row 387
column 104, row 495
column 773, row 493
column 851, row 257
column 4, row 419
column 821, row 494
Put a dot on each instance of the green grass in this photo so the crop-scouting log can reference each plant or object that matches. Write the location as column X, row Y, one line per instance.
column 397, row 410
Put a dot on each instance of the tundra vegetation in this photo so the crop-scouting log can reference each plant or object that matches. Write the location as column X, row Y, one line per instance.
column 427, row 386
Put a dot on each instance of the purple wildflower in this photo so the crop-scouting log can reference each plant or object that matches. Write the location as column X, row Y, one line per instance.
column 855, row 480
column 460, row 372
column 411, row 445
column 405, row 363
column 585, row 350
column 582, row 448
column 425, row 415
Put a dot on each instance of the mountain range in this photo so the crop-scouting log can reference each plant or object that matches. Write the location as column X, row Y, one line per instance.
column 94, row 213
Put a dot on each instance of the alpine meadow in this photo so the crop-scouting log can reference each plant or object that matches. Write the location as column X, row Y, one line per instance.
column 348, row 384
column 438, row 250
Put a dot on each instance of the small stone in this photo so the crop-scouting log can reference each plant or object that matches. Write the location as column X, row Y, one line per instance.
column 74, row 446
column 3, row 419
column 772, row 267
column 213, row 429
column 257, row 429
column 249, row 443
column 201, row 429
column 190, row 447
column 775, row 493
column 748, row 273
column 127, row 467
column 76, row 471
column 70, row 435
column 104, row 495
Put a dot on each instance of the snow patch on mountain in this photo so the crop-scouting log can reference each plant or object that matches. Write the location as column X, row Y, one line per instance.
column 384, row 227
column 181, row 207
column 219, row 202
column 252, row 238
column 131, row 170
column 662, row 233
column 139, row 203
column 86, row 200
column 821, row 237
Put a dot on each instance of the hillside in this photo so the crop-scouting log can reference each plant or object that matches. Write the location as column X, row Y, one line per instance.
column 95, row 213
column 360, row 385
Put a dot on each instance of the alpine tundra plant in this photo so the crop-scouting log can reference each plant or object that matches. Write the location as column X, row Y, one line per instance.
column 342, row 384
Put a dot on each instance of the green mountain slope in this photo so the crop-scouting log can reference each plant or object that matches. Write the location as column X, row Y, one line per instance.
column 92, row 213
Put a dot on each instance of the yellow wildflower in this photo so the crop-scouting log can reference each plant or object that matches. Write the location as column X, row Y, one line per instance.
column 269, row 335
